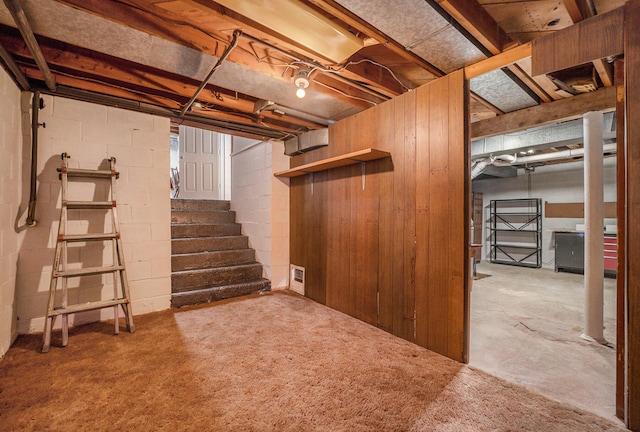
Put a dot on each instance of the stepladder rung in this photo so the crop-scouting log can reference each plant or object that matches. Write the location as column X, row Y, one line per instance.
column 88, row 237
column 89, row 205
column 80, row 173
column 87, row 306
column 88, row 271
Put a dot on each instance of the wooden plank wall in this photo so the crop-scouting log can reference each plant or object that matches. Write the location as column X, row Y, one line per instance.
column 621, row 195
column 632, row 105
column 395, row 254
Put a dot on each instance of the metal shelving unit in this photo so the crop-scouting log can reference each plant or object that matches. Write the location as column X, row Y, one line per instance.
column 516, row 232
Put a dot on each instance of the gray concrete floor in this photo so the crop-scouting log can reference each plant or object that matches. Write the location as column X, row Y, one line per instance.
column 526, row 326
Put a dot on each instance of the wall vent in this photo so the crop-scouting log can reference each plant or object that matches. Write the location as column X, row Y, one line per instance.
column 296, row 279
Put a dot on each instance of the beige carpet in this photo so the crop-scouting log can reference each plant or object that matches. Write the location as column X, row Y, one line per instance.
column 275, row 362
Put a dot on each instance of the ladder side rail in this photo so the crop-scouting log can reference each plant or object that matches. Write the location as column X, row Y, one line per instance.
column 124, row 282
column 63, row 244
column 114, row 252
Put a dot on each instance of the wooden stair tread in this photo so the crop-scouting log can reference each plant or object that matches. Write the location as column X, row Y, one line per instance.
column 227, row 267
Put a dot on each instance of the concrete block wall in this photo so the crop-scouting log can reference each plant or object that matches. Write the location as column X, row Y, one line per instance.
column 279, row 218
column 261, row 203
column 563, row 183
column 11, row 139
column 91, row 134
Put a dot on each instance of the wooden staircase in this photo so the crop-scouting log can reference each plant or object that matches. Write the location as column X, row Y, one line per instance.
column 210, row 258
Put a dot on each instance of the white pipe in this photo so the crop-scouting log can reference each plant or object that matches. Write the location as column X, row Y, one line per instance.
column 478, row 166
column 505, row 158
column 543, row 157
column 593, row 227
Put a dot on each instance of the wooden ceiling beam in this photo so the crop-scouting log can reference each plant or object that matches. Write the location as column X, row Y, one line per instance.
column 477, row 21
column 529, row 82
column 592, row 39
column 498, row 61
column 565, row 109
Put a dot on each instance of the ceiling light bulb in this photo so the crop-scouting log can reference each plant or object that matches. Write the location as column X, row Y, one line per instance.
column 301, row 80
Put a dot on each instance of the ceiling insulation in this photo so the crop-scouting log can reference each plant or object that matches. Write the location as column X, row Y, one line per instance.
column 420, row 29
column 501, row 91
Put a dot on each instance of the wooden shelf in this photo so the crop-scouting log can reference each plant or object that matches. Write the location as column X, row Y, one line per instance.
column 335, row 162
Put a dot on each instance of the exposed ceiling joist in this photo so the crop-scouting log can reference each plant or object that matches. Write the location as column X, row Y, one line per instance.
column 477, row 21
column 14, row 68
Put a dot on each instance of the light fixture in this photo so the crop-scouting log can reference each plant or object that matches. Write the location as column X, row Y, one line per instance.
column 301, row 81
column 298, row 22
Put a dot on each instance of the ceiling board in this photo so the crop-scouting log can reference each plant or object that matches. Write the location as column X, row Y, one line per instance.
column 530, row 16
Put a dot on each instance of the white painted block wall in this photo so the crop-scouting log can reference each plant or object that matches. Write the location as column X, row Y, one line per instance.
column 11, row 162
column 562, row 183
column 261, row 202
column 90, row 134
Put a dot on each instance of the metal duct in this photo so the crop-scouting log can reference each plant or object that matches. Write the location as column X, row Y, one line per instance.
column 306, row 142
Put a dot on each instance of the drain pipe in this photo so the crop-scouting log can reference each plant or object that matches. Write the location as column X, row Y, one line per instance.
column 593, row 228
column 223, row 57
column 35, row 108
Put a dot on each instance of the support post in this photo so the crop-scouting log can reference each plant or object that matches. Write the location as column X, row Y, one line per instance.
column 594, row 228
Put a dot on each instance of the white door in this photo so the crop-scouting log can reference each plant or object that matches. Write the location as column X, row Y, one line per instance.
column 200, row 161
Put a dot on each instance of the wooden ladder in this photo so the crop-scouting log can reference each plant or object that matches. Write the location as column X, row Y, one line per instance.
column 61, row 272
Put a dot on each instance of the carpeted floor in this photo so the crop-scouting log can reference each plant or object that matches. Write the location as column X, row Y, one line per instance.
column 275, row 362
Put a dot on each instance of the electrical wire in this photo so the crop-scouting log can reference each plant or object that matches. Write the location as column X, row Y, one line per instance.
column 315, row 67
column 345, row 94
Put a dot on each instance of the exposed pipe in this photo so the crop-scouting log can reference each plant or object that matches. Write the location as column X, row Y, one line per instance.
column 21, row 21
column 15, row 70
column 35, row 108
column 478, row 167
column 223, row 57
column 608, row 148
column 510, row 160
